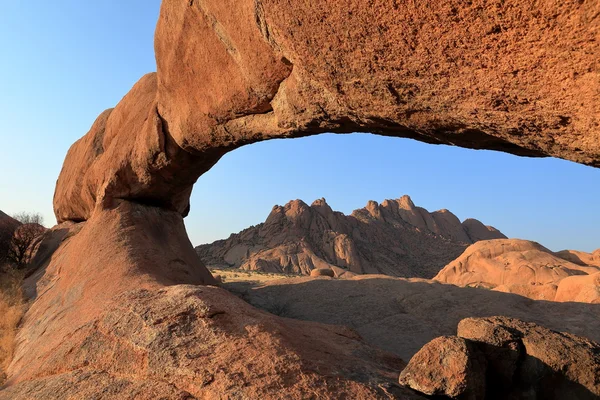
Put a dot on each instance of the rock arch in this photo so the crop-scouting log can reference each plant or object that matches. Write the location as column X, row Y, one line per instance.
column 511, row 75
column 515, row 76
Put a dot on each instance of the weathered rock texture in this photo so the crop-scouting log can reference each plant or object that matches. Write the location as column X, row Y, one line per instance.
column 512, row 76
column 8, row 220
column 112, row 318
column 395, row 238
column 526, row 268
column 516, row 76
column 503, row 358
column 447, row 366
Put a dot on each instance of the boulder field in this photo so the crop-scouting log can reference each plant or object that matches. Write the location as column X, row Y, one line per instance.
column 113, row 314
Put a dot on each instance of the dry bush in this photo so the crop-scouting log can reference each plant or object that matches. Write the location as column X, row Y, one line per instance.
column 12, row 307
column 25, row 238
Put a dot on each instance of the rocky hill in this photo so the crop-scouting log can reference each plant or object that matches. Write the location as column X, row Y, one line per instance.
column 394, row 238
column 527, row 268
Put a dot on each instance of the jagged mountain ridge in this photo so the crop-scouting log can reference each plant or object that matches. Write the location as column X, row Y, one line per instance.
column 394, row 238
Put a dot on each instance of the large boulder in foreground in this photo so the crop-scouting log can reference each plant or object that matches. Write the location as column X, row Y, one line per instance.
column 553, row 365
column 503, row 358
column 113, row 316
column 522, row 267
column 190, row 342
column 447, row 366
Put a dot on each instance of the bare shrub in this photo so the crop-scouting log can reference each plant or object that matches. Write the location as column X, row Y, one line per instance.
column 18, row 242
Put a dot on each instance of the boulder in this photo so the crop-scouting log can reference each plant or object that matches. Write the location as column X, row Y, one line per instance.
column 478, row 231
column 447, row 366
column 546, row 363
column 322, row 272
column 584, row 288
column 504, row 358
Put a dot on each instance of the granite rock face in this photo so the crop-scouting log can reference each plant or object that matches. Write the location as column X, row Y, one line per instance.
column 395, row 238
column 526, row 268
column 515, row 76
column 118, row 311
column 512, row 76
column 447, row 366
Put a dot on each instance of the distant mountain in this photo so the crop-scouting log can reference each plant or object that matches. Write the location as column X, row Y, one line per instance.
column 394, row 238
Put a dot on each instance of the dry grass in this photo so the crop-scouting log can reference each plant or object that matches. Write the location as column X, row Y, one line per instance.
column 12, row 307
column 229, row 275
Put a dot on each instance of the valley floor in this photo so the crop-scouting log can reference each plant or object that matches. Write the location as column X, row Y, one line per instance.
column 401, row 315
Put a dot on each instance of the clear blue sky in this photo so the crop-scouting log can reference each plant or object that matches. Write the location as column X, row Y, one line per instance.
column 62, row 65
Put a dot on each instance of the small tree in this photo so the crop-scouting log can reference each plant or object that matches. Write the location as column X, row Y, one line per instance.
column 24, row 239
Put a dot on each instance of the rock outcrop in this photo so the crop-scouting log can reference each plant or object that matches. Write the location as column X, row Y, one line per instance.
column 233, row 73
column 512, row 76
column 118, row 320
column 503, row 358
column 8, row 220
column 395, row 238
column 525, row 268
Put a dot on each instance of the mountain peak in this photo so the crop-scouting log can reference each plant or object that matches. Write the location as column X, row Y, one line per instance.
column 395, row 238
column 319, row 202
